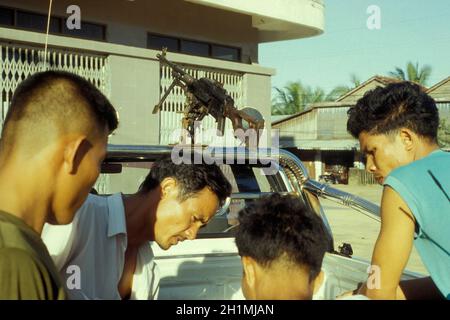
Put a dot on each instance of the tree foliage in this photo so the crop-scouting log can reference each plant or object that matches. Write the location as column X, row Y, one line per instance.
column 296, row 97
column 412, row 73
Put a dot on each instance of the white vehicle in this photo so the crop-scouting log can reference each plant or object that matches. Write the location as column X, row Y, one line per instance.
column 209, row 267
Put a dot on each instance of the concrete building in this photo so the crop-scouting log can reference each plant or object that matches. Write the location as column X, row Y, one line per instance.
column 118, row 41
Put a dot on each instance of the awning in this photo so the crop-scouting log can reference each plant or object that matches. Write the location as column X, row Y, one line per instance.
column 349, row 144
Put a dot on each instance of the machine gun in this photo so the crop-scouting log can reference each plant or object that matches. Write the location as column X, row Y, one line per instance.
column 208, row 97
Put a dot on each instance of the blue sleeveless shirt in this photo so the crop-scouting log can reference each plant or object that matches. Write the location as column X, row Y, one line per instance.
column 424, row 185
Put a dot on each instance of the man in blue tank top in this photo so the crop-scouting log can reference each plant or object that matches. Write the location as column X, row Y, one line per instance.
column 397, row 130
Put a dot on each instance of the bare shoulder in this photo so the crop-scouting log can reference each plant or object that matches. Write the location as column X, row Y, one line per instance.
column 392, row 204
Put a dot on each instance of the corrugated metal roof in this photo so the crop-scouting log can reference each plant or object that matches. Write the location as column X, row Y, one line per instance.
column 279, row 117
column 437, row 85
column 380, row 79
column 321, row 105
column 348, row 144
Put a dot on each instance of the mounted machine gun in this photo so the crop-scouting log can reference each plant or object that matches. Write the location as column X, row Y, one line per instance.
column 208, row 97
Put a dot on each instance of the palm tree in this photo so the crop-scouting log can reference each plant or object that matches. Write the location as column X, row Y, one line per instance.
column 295, row 97
column 341, row 90
column 315, row 95
column 412, row 73
column 287, row 100
column 337, row 92
column 355, row 81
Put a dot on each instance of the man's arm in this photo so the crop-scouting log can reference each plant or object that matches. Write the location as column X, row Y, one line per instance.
column 393, row 246
column 22, row 277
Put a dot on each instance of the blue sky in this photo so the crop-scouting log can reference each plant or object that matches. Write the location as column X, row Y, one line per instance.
column 411, row 30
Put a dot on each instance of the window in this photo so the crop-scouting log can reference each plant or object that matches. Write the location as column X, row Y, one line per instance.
column 6, row 16
column 158, row 42
column 38, row 22
column 194, row 48
column 226, row 53
column 31, row 21
column 88, row 30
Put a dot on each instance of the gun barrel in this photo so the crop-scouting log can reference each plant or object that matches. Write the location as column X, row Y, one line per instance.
column 221, row 125
column 185, row 77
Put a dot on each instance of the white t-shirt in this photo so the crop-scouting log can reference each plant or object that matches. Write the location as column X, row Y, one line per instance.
column 90, row 253
column 322, row 293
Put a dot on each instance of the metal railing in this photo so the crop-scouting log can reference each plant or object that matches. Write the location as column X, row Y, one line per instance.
column 18, row 62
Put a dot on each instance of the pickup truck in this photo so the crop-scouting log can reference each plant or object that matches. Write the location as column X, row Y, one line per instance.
column 209, row 267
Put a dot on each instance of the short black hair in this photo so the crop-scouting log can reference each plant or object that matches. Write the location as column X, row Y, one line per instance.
column 59, row 99
column 384, row 110
column 192, row 178
column 277, row 226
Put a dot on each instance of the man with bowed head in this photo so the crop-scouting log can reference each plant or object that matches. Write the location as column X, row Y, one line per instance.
column 397, row 129
column 109, row 239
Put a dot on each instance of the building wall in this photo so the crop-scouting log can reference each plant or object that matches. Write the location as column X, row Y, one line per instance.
column 134, row 92
column 328, row 123
column 441, row 95
column 332, row 123
column 134, row 80
column 306, row 133
column 129, row 22
column 256, row 95
column 303, row 127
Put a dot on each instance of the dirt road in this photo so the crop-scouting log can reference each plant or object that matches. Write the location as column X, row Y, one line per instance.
column 360, row 231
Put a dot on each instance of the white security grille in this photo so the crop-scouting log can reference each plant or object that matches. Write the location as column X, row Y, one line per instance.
column 18, row 62
column 171, row 111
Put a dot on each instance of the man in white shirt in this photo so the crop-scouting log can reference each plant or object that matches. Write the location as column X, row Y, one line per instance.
column 105, row 253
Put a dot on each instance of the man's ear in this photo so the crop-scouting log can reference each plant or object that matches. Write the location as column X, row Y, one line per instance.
column 74, row 152
column 249, row 266
column 168, row 186
column 407, row 137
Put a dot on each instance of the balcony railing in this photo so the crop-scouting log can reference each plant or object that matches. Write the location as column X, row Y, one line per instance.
column 17, row 62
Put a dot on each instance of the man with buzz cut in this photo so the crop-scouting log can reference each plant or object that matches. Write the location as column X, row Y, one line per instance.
column 52, row 145
column 397, row 129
